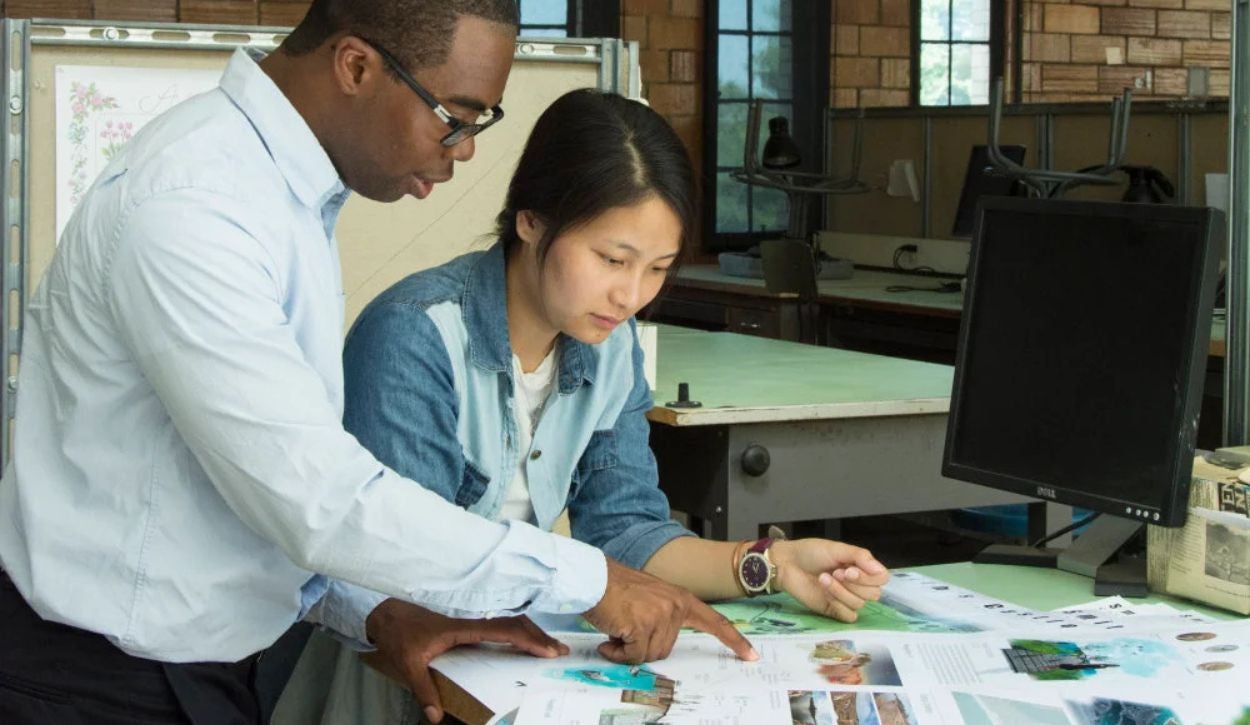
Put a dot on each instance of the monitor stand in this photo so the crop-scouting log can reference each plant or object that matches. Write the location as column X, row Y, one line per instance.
column 1087, row 555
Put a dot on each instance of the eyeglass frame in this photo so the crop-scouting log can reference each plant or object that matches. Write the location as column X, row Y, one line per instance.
column 460, row 130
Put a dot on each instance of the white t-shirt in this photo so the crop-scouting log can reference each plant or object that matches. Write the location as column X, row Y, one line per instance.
column 532, row 391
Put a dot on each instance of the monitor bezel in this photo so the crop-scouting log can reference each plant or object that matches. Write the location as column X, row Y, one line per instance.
column 1203, row 274
column 972, row 175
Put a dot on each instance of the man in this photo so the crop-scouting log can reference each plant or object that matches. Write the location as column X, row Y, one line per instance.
column 180, row 469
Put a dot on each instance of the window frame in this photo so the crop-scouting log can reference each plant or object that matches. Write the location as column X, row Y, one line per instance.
column 809, row 33
column 585, row 19
column 996, row 43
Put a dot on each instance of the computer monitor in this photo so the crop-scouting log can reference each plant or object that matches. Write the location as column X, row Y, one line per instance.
column 1082, row 350
column 980, row 182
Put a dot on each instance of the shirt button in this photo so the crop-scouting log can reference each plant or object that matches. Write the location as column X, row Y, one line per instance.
column 536, row 455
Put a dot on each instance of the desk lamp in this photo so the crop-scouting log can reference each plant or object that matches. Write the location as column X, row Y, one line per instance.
column 774, row 169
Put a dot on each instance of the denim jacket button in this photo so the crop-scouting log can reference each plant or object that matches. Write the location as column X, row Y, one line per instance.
column 536, row 455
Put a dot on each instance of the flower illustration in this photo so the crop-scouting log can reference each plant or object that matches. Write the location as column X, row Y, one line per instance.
column 85, row 100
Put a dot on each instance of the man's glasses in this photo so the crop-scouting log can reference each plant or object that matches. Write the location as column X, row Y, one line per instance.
column 460, row 130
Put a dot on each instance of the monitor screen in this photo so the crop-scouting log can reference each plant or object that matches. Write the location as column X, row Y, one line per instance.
column 980, row 182
column 1082, row 351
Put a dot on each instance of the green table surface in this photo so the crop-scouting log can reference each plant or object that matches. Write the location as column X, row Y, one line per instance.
column 1038, row 588
column 743, row 378
column 866, row 285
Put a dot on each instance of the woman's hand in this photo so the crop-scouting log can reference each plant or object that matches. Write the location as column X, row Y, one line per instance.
column 829, row 577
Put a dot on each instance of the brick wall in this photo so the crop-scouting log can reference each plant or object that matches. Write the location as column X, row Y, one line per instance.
column 1087, row 50
column 870, row 44
column 214, row 12
column 670, row 33
column 1072, row 50
column 670, row 36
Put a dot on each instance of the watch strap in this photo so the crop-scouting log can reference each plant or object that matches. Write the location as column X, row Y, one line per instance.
column 761, row 545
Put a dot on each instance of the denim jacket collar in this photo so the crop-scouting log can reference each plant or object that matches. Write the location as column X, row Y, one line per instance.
column 484, row 307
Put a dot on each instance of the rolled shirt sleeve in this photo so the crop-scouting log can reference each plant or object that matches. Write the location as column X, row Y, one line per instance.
column 620, row 508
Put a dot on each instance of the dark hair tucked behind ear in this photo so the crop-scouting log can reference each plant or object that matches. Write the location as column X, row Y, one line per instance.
column 590, row 152
column 419, row 32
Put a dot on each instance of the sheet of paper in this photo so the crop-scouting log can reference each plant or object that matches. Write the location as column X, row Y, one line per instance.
column 1209, row 657
column 930, row 652
column 935, row 706
column 99, row 109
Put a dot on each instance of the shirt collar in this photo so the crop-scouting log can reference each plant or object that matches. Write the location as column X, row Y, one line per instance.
column 294, row 148
column 484, row 308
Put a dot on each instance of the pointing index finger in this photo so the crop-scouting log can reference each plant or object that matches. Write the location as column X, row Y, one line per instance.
column 705, row 619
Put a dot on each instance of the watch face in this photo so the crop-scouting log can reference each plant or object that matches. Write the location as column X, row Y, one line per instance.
column 754, row 571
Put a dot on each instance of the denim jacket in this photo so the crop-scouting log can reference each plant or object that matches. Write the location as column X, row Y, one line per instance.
column 430, row 391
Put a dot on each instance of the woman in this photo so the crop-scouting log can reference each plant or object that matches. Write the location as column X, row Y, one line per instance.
column 510, row 381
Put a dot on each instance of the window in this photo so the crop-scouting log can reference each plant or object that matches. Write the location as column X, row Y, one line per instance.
column 958, row 43
column 570, row 18
column 546, row 18
column 752, row 49
column 755, row 57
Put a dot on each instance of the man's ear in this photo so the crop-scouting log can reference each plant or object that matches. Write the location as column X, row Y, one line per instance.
column 356, row 65
column 529, row 228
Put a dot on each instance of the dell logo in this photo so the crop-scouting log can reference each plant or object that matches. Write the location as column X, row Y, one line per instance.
column 1045, row 492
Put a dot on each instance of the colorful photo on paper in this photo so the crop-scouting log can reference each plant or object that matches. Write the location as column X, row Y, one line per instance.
column 1106, row 711
column 1049, row 660
column 620, row 677
column 842, row 662
column 991, row 710
column 809, row 707
column 893, row 708
column 642, row 707
column 871, row 708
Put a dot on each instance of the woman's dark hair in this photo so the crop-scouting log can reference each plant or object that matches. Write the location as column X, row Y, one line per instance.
column 592, row 151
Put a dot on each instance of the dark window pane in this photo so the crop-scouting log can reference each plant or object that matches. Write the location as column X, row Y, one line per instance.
column 731, row 66
column 935, row 19
column 770, row 15
column 733, row 15
column 934, row 70
column 731, row 205
column 772, row 66
column 544, row 12
column 731, row 128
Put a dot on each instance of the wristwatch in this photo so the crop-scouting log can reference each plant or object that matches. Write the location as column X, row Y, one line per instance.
column 756, row 572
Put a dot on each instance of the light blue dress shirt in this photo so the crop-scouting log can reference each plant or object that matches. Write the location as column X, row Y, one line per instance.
column 180, row 468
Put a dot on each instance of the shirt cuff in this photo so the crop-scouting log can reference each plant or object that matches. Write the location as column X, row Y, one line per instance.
column 343, row 611
column 579, row 578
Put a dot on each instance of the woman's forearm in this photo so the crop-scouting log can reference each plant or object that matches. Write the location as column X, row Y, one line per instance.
column 707, row 568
